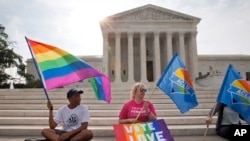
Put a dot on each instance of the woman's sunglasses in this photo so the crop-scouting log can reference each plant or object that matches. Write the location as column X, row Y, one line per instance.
column 143, row 90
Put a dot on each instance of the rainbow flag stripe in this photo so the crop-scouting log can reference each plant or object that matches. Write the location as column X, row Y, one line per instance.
column 146, row 131
column 59, row 68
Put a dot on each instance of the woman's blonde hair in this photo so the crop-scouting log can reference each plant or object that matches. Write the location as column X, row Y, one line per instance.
column 134, row 89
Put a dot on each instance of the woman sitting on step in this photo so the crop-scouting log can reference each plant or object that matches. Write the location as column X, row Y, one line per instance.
column 137, row 109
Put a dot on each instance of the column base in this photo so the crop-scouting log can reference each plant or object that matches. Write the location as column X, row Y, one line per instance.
column 131, row 80
column 118, row 81
column 144, row 81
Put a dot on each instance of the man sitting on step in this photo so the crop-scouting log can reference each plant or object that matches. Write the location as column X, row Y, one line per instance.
column 74, row 118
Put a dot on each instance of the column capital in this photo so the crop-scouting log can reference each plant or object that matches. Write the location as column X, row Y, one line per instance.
column 181, row 32
column 130, row 33
column 169, row 32
column 156, row 32
column 194, row 33
column 142, row 32
column 105, row 34
column 118, row 34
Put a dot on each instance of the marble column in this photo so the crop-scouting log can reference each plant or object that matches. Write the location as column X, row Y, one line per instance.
column 182, row 47
column 157, row 57
column 130, row 58
column 194, row 56
column 143, row 57
column 169, row 46
column 117, row 57
column 157, row 53
column 105, row 54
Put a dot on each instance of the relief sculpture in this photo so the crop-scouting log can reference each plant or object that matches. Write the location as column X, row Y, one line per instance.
column 149, row 14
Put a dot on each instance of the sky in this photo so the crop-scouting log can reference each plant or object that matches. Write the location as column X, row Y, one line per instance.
column 73, row 25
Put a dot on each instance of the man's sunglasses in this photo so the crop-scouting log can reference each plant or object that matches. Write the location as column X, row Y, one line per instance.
column 143, row 90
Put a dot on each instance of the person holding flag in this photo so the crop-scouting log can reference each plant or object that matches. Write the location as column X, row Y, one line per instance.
column 58, row 68
column 74, row 118
column 137, row 109
column 226, row 118
column 232, row 103
column 138, row 119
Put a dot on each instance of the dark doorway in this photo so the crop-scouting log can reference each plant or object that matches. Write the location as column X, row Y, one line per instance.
column 150, row 71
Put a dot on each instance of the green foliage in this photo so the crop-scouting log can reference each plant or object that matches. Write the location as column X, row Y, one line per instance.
column 34, row 84
column 8, row 58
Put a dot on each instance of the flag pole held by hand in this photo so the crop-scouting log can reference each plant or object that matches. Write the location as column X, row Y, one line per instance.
column 205, row 133
column 143, row 107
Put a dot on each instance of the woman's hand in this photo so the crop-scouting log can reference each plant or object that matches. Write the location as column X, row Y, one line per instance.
column 145, row 106
column 132, row 120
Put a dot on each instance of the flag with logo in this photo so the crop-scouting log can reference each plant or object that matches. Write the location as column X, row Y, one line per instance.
column 177, row 84
column 235, row 93
column 156, row 130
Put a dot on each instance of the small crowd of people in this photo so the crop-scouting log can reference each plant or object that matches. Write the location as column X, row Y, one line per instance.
column 74, row 117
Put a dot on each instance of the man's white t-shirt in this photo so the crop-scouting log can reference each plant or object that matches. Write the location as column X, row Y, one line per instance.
column 72, row 119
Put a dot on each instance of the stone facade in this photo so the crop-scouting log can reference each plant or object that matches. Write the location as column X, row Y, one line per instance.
column 138, row 44
column 211, row 68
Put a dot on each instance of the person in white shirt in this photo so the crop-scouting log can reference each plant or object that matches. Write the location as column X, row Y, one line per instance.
column 73, row 117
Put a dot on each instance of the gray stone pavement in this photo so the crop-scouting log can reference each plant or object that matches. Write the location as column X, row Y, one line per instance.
column 177, row 138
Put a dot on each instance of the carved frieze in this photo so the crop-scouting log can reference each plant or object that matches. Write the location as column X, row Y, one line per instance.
column 148, row 14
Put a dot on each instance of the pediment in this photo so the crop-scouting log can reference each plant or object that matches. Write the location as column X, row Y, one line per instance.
column 149, row 13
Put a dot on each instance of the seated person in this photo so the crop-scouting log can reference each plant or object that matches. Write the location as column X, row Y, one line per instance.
column 226, row 118
column 137, row 109
column 74, row 117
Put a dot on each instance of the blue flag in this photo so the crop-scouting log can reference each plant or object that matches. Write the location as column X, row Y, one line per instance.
column 235, row 93
column 177, row 84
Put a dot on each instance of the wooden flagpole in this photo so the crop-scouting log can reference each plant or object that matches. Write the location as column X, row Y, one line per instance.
column 205, row 133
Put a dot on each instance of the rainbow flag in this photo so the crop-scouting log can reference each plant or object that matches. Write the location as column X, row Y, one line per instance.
column 58, row 68
column 156, row 130
column 235, row 93
column 99, row 86
column 177, row 84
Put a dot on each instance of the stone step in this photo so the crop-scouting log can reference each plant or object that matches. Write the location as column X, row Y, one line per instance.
column 103, row 121
column 89, row 89
column 105, row 131
column 23, row 112
column 95, row 106
column 90, row 101
column 56, row 92
column 176, row 138
column 100, row 113
column 62, row 96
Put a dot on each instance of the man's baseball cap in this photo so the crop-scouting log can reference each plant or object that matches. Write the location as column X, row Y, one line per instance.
column 73, row 92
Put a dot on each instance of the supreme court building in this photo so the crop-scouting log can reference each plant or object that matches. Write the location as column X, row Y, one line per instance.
column 139, row 43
